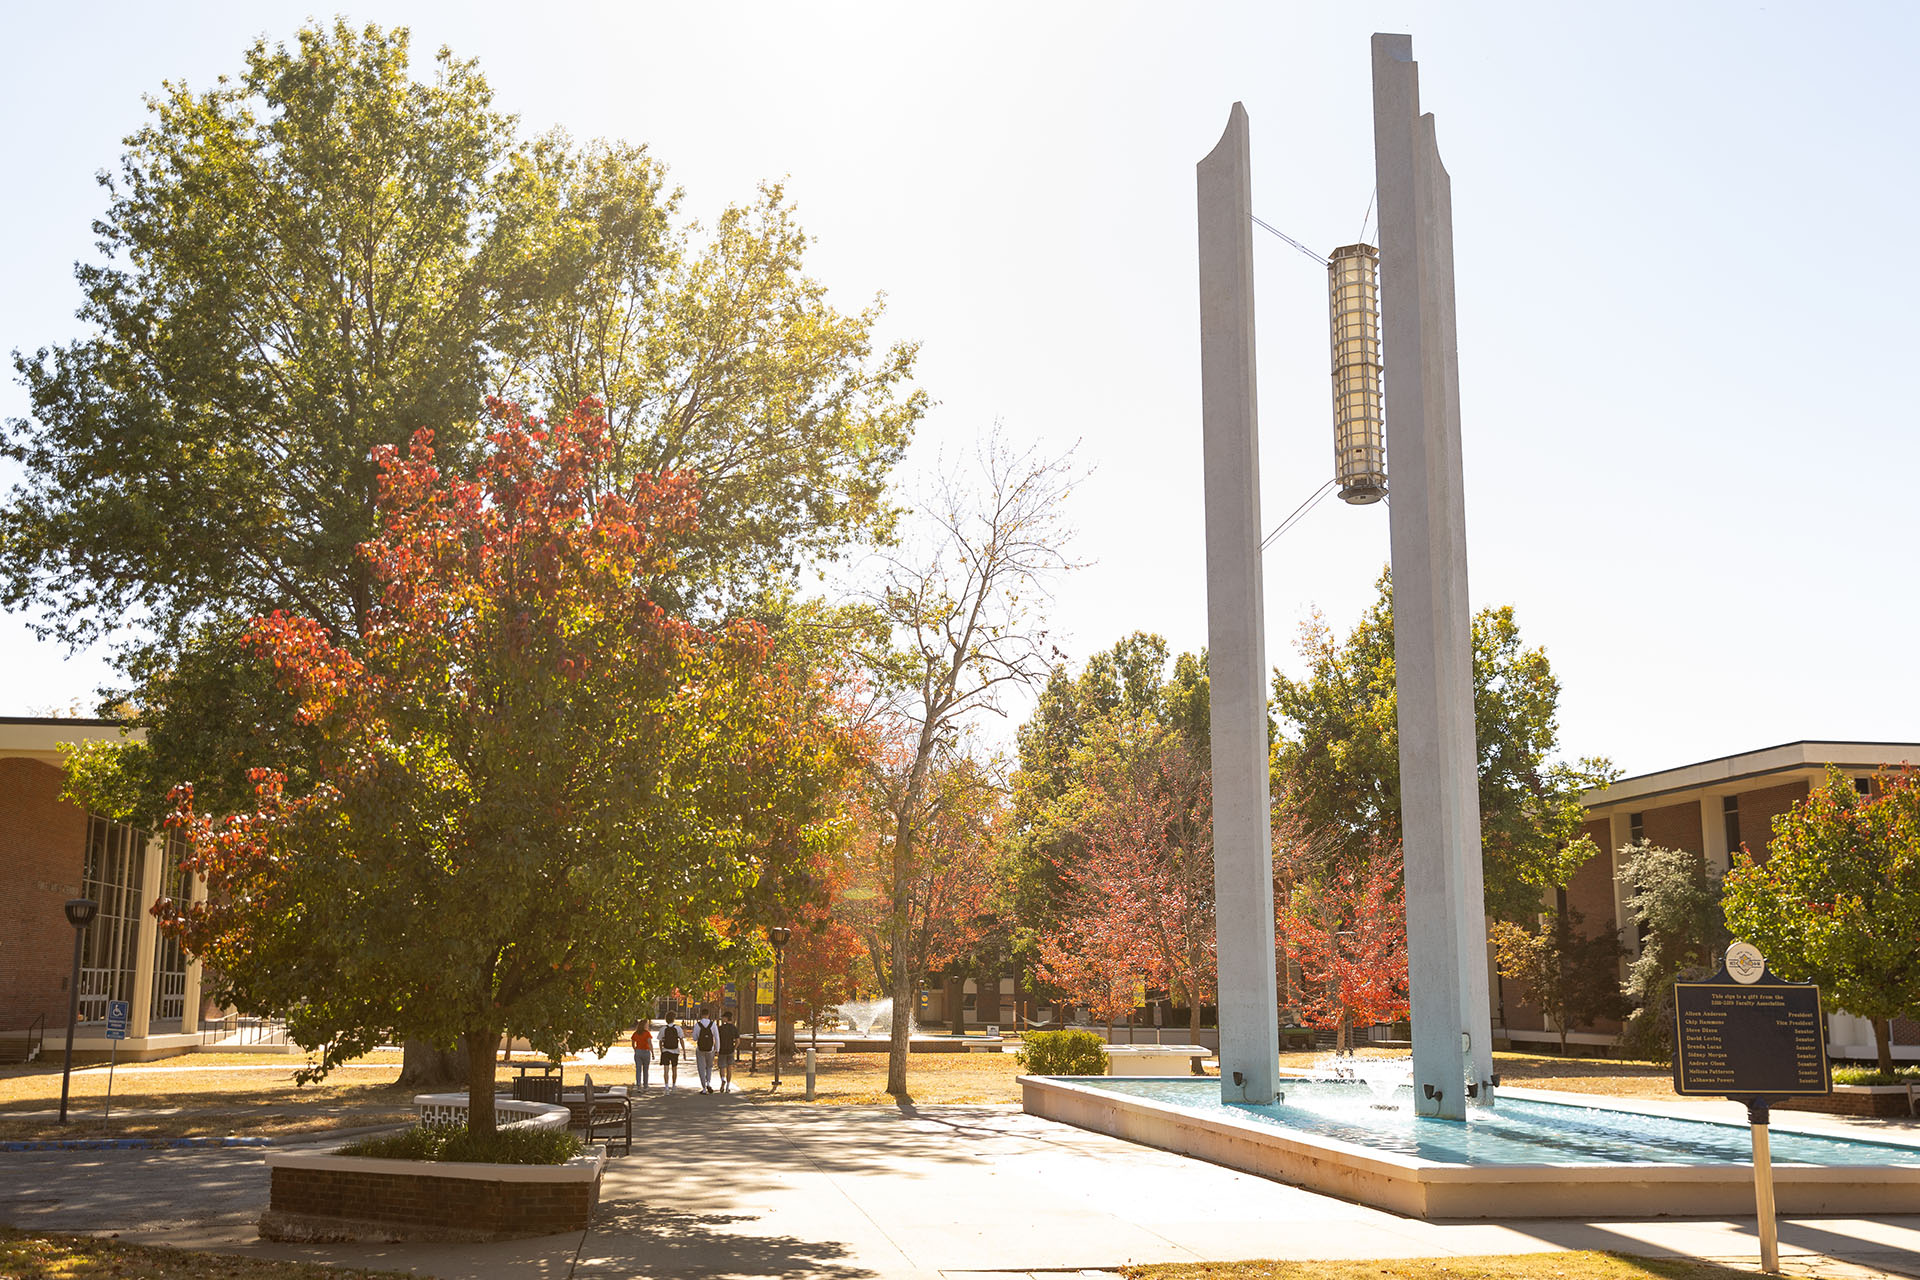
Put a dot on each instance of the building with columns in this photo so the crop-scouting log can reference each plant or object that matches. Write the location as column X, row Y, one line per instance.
column 52, row 850
column 1711, row 809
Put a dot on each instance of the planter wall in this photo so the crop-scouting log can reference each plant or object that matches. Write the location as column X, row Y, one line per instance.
column 322, row 1196
column 1856, row 1100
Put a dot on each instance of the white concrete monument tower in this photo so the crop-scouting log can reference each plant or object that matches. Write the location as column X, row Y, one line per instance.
column 1236, row 643
column 1432, row 636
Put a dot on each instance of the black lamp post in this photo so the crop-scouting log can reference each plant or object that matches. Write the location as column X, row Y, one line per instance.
column 80, row 912
column 778, row 936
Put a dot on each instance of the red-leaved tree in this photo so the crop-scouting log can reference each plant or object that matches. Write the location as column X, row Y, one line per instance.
column 1347, row 930
column 1142, row 894
column 539, row 797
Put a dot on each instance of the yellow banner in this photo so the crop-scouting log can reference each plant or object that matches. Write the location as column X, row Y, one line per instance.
column 766, row 987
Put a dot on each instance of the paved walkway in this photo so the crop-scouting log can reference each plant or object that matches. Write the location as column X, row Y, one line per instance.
column 721, row 1187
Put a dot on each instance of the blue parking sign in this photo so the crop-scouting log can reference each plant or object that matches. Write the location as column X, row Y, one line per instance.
column 117, row 1011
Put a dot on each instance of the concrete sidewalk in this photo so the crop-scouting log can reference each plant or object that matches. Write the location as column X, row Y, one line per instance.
column 719, row 1186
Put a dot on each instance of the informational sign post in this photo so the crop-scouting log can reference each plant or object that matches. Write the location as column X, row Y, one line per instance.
column 117, row 1013
column 1747, row 1036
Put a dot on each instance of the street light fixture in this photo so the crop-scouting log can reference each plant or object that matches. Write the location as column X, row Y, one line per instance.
column 80, row 913
column 778, row 936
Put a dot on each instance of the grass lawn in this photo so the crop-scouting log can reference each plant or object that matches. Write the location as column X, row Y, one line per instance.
column 185, row 1097
column 1526, row 1266
column 24, row 1256
column 860, row 1079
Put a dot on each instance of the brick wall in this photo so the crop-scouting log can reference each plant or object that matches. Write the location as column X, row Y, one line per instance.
column 503, row 1209
column 1758, row 810
column 42, row 848
column 1677, row 826
column 1590, row 892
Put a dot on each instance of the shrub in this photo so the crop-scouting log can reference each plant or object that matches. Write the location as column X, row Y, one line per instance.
column 1873, row 1075
column 454, row 1143
column 1063, row 1053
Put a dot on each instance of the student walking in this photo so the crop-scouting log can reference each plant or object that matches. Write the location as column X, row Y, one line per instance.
column 669, row 1055
column 729, row 1042
column 642, row 1053
column 706, row 1039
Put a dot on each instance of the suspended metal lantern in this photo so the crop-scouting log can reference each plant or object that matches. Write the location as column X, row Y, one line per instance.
column 1359, row 425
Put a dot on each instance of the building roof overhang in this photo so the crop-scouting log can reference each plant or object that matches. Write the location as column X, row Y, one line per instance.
column 39, row 737
column 1769, row 766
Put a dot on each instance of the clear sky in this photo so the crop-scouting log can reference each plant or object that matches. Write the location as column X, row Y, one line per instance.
column 1686, row 268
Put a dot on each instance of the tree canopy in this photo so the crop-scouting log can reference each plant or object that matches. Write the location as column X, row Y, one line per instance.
column 1337, row 760
column 309, row 262
column 1837, row 900
column 538, row 796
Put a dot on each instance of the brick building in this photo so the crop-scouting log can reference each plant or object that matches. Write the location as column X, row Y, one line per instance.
column 50, row 851
column 1711, row 809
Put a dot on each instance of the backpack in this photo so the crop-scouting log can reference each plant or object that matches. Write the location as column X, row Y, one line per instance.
column 670, row 1039
column 705, row 1043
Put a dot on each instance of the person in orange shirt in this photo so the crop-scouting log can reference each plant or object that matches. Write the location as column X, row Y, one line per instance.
column 642, row 1053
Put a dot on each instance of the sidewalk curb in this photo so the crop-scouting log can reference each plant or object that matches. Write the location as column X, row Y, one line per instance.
column 132, row 1144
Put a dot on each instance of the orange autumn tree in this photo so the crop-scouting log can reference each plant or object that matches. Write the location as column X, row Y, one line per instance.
column 1140, row 898
column 538, row 796
column 1347, row 930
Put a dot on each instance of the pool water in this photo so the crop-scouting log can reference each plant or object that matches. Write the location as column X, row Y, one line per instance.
column 1514, row 1132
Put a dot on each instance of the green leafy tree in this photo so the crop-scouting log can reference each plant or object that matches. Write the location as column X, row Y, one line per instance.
column 1675, row 902
column 1837, row 901
column 1128, row 684
column 1570, row 976
column 1337, row 762
column 538, row 798
column 299, row 264
column 718, row 355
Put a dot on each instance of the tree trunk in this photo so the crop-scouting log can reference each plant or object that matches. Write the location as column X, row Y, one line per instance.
column 423, row 1066
column 956, row 989
column 1883, row 1043
column 902, row 1019
column 482, row 1047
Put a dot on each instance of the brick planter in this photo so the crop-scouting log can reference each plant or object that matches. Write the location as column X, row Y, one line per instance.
column 1855, row 1100
column 322, row 1196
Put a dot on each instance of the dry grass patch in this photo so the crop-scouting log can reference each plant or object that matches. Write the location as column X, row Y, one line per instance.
column 1527, row 1266
column 860, row 1079
column 25, row 1256
column 214, row 1102
column 1613, row 1077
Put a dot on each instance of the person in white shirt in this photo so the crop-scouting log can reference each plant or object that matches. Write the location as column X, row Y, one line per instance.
column 706, row 1040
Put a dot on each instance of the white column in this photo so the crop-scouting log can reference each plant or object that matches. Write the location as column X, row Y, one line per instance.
column 190, row 995
column 1236, row 643
column 146, row 939
column 1713, row 833
column 1621, row 828
column 1433, row 654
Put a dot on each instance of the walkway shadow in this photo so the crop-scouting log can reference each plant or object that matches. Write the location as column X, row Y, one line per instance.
column 632, row 1238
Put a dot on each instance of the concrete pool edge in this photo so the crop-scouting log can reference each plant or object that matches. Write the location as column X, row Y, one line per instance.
column 1425, row 1189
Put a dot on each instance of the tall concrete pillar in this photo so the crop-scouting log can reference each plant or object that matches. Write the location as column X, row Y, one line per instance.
column 1236, row 643
column 1433, row 650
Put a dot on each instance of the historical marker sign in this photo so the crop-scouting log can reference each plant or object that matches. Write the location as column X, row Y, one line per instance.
column 1749, row 1035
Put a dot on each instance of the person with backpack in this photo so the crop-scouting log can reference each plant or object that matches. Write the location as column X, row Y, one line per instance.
column 729, row 1041
column 669, row 1055
column 642, row 1053
column 706, row 1039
